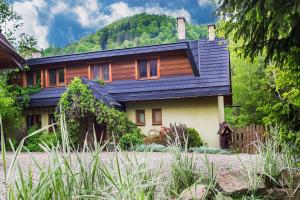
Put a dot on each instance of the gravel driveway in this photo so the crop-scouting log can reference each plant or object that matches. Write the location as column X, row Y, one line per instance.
column 223, row 163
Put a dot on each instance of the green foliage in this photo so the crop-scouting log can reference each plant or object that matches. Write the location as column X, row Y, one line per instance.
column 8, row 110
column 183, row 174
column 138, row 30
column 10, row 25
column 11, row 107
column 129, row 140
column 194, row 139
column 11, row 144
column 274, row 36
column 78, row 105
column 33, row 143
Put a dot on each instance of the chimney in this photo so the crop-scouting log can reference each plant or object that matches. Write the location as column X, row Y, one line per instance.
column 181, row 28
column 36, row 54
column 211, row 32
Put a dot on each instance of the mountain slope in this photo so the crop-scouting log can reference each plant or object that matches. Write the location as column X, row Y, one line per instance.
column 138, row 30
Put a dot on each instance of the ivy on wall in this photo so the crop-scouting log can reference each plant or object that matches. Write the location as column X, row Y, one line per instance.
column 78, row 103
column 13, row 100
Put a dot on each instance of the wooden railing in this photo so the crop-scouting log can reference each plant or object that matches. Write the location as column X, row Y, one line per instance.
column 245, row 140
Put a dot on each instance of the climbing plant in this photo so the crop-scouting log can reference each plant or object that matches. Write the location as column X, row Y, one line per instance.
column 78, row 102
column 13, row 100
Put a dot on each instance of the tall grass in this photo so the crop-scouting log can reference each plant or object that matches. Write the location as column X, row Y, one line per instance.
column 73, row 174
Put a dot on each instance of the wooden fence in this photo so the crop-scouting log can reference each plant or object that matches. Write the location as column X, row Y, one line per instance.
column 245, row 140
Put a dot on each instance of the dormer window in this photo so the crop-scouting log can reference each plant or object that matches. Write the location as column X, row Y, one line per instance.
column 147, row 68
column 33, row 78
column 56, row 77
column 101, row 71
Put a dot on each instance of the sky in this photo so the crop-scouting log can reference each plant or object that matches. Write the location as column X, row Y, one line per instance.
column 59, row 22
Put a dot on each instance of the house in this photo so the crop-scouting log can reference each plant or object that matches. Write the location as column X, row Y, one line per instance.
column 186, row 81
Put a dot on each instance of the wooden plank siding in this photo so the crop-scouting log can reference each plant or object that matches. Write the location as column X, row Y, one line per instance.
column 175, row 64
column 121, row 68
column 76, row 71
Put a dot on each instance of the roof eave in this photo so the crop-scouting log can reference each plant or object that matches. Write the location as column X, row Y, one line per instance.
column 18, row 59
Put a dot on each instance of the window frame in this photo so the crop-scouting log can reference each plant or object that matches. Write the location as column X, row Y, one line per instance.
column 101, row 74
column 137, row 119
column 35, row 80
column 58, row 83
column 137, row 73
column 154, row 122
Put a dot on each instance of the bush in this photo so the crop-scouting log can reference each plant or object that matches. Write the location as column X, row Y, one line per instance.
column 130, row 140
column 14, row 143
column 32, row 143
column 194, row 139
column 173, row 134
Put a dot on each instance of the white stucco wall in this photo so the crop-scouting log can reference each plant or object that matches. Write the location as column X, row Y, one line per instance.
column 203, row 114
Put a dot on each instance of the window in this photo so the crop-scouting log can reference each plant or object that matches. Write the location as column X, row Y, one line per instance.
column 33, row 78
column 33, row 120
column 147, row 68
column 105, row 72
column 52, row 77
column 156, row 117
column 101, row 72
column 51, row 120
column 61, row 76
column 142, row 67
column 140, row 117
column 56, row 77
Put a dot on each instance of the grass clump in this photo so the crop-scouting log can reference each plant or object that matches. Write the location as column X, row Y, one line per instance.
column 183, row 173
column 73, row 174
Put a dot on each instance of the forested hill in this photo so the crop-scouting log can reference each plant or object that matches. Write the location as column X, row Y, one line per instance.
column 138, row 30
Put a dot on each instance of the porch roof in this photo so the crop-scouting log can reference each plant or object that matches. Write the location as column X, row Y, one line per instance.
column 50, row 96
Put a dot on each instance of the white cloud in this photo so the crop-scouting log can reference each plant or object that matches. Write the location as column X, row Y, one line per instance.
column 88, row 13
column 29, row 11
column 90, row 17
column 204, row 3
column 58, row 8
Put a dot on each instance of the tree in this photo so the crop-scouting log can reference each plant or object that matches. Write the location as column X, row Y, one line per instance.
column 9, row 111
column 10, row 23
column 271, row 28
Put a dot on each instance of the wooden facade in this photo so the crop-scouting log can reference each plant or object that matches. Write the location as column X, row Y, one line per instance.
column 121, row 68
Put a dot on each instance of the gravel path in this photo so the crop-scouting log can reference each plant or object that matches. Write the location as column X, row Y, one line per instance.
column 223, row 163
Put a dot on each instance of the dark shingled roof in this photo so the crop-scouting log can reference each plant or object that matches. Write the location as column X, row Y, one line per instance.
column 214, row 79
column 100, row 93
column 116, row 52
column 50, row 96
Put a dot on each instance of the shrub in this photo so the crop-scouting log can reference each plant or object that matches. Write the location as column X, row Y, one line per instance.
column 50, row 138
column 14, row 143
column 130, row 140
column 194, row 139
column 32, row 143
column 154, row 139
column 174, row 134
